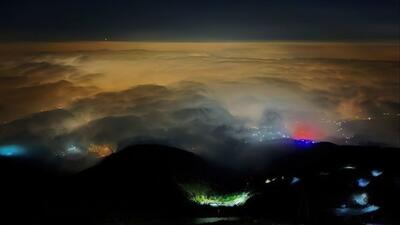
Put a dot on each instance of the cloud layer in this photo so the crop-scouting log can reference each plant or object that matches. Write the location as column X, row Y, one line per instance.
column 213, row 99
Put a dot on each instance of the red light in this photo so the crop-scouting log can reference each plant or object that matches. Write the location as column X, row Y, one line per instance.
column 305, row 131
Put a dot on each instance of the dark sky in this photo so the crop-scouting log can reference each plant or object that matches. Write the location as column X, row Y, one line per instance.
column 199, row 20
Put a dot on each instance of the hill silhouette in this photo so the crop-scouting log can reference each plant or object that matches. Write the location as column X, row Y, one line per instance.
column 146, row 181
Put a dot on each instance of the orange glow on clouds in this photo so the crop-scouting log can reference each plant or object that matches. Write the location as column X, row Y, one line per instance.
column 307, row 131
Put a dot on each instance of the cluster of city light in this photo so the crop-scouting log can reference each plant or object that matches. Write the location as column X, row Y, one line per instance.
column 340, row 131
column 359, row 204
column 98, row 150
column 347, row 136
column 225, row 200
column 71, row 150
column 202, row 194
column 101, row 150
column 304, row 136
column 263, row 134
column 300, row 131
column 361, row 199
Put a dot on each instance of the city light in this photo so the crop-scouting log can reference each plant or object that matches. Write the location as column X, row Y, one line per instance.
column 12, row 150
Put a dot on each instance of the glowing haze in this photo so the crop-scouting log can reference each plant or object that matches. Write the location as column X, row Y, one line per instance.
column 203, row 96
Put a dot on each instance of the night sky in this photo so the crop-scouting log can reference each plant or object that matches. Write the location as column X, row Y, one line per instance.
column 199, row 20
column 211, row 77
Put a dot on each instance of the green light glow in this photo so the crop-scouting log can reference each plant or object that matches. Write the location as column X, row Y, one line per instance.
column 204, row 195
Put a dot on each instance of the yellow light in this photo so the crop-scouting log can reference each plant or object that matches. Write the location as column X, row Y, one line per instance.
column 101, row 150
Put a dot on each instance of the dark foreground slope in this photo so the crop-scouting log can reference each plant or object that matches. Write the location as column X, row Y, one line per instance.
column 139, row 180
column 322, row 184
column 302, row 184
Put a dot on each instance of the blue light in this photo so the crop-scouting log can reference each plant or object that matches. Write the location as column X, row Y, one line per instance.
column 362, row 182
column 295, row 180
column 376, row 173
column 73, row 149
column 11, row 150
column 361, row 199
column 304, row 143
column 342, row 211
column 356, row 211
column 369, row 209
